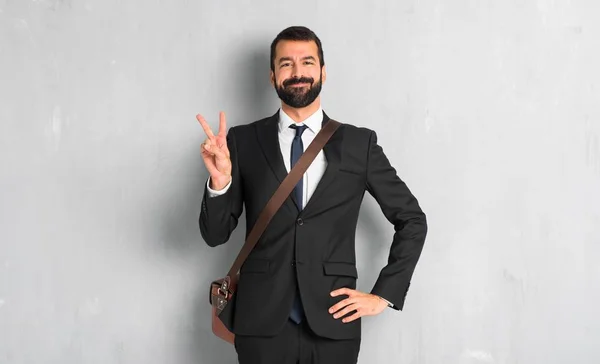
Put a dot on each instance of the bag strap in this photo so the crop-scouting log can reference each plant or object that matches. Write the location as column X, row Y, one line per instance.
column 281, row 194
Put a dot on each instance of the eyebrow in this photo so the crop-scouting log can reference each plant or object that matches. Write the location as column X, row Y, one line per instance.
column 290, row 58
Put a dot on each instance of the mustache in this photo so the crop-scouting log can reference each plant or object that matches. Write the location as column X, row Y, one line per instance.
column 295, row 81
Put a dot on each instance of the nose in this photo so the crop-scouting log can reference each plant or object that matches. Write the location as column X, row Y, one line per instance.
column 296, row 71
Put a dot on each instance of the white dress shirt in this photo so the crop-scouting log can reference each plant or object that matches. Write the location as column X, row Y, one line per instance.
column 315, row 171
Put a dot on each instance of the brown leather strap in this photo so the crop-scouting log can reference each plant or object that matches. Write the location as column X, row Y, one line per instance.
column 281, row 194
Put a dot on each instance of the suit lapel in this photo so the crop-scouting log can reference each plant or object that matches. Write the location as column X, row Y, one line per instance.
column 267, row 134
column 333, row 155
column 268, row 138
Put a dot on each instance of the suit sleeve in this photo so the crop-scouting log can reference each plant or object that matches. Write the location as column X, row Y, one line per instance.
column 219, row 214
column 402, row 209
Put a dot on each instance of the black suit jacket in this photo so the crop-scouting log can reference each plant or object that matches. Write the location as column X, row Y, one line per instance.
column 316, row 246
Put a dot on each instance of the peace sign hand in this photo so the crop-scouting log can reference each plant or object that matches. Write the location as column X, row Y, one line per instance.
column 216, row 154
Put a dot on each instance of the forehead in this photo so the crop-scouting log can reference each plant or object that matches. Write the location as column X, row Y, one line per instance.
column 296, row 49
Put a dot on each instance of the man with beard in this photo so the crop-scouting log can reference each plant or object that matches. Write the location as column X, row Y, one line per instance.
column 296, row 297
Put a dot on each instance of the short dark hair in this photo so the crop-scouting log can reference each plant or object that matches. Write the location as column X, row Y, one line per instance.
column 297, row 33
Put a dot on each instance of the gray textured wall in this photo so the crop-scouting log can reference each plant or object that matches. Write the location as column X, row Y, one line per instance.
column 488, row 109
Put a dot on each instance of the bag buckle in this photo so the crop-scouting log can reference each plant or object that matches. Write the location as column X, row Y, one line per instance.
column 222, row 295
column 224, row 289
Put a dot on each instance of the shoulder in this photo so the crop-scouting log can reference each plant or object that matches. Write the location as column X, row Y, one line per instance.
column 244, row 131
column 357, row 134
column 251, row 126
column 357, row 140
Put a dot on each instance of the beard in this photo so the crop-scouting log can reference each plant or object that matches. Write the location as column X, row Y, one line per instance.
column 298, row 97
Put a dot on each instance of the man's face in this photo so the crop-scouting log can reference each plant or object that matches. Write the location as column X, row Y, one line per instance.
column 297, row 75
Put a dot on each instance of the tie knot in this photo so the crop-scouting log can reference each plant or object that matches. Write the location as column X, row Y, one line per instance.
column 299, row 129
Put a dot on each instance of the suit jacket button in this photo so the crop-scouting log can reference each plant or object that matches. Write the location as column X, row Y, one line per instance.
column 300, row 222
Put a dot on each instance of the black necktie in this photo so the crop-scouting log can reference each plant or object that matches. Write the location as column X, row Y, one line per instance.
column 297, row 150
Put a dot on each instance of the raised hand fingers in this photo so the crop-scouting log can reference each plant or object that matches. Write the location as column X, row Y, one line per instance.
column 222, row 124
column 205, row 126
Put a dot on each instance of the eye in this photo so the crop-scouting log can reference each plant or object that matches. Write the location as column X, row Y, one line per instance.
column 309, row 62
column 285, row 64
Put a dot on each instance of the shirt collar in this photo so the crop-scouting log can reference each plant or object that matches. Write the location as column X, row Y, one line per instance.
column 313, row 122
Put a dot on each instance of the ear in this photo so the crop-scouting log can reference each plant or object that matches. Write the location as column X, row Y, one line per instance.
column 272, row 78
column 324, row 74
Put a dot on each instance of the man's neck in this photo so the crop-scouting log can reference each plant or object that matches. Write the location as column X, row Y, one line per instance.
column 301, row 114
